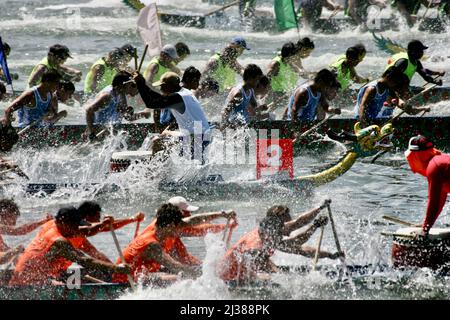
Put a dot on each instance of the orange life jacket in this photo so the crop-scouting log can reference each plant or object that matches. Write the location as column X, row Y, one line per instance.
column 133, row 254
column 234, row 266
column 33, row 266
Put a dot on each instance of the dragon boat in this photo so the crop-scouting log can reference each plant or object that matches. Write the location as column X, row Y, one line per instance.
column 435, row 128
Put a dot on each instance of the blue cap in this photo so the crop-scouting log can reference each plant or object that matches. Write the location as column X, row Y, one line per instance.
column 240, row 41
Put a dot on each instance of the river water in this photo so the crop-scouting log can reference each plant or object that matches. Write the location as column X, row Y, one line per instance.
column 360, row 198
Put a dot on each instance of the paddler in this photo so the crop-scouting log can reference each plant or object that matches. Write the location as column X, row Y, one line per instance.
column 197, row 225
column 241, row 102
column 223, row 67
column 252, row 253
column 51, row 253
column 37, row 106
column 194, row 129
column 190, row 81
column 431, row 163
column 283, row 77
column 305, row 47
column 374, row 98
column 56, row 57
column 408, row 9
column 183, row 52
column 359, row 9
column 91, row 212
column 161, row 64
column 110, row 106
column 345, row 65
column 150, row 251
column 207, row 88
column 409, row 63
column 9, row 213
column 102, row 72
column 311, row 10
column 311, row 100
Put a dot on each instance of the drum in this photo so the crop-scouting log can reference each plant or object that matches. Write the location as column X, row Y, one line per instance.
column 120, row 161
column 431, row 252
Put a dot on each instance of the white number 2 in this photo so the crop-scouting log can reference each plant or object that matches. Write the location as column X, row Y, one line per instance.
column 274, row 153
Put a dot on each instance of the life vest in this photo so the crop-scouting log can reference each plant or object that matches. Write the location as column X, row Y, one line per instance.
column 234, row 265
column 307, row 112
column 223, row 74
column 107, row 78
column 33, row 266
column 133, row 254
column 46, row 63
column 286, row 79
column 410, row 70
column 110, row 113
column 374, row 108
column 239, row 114
column 343, row 78
column 161, row 70
column 28, row 115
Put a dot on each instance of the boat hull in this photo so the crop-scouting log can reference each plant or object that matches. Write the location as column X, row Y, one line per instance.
column 435, row 128
column 432, row 252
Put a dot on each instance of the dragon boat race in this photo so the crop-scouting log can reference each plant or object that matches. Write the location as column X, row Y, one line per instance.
column 224, row 150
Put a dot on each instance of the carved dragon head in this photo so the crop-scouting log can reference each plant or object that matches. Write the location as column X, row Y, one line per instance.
column 372, row 139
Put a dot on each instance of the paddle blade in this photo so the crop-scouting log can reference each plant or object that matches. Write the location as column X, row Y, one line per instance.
column 134, row 4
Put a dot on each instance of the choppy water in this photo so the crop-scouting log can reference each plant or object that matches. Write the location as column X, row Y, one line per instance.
column 360, row 197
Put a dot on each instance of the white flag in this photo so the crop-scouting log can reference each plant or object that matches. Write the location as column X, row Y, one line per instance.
column 148, row 27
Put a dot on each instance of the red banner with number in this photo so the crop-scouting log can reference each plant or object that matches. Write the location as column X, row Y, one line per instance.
column 273, row 156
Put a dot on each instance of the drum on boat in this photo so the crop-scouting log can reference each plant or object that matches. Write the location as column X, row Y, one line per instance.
column 120, row 161
column 431, row 252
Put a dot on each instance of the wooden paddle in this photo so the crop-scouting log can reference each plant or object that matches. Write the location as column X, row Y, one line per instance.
column 142, row 59
column 316, row 257
column 336, row 240
column 409, row 100
column 122, row 259
column 222, row 8
column 135, row 59
column 400, row 221
column 136, row 232
column 316, row 126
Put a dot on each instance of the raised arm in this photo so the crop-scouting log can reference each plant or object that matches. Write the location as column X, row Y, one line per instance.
column 154, row 100
column 427, row 74
column 64, row 249
column 304, row 218
column 293, row 243
column 23, row 229
column 210, row 216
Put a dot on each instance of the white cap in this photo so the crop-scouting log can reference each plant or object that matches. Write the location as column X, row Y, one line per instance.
column 182, row 204
column 170, row 50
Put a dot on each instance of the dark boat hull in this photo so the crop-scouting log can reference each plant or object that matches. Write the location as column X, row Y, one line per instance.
column 435, row 128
